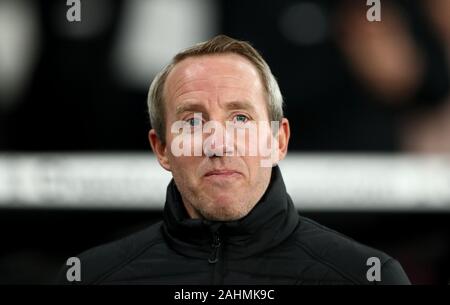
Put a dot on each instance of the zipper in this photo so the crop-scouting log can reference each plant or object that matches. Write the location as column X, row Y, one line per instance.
column 216, row 244
column 215, row 259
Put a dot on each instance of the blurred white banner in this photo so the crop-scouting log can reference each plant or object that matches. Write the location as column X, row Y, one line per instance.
column 314, row 181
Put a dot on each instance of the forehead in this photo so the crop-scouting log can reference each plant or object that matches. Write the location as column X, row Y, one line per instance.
column 214, row 72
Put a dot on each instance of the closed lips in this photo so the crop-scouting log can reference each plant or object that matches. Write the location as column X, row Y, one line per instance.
column 221, row 172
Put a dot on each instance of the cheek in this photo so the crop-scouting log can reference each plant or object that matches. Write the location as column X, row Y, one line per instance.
column 186, row 168
column 253, row 166
column 182, row 164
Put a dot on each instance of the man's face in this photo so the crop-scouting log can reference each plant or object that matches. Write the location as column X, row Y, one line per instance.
column 222, row 88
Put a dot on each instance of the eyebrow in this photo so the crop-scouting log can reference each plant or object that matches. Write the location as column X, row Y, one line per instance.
column 233, row 105
column 245, row 105
column 190, row 106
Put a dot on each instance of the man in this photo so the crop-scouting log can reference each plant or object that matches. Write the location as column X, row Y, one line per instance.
column 228, row 218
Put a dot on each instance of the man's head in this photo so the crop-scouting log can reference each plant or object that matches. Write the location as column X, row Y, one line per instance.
column 226, row 81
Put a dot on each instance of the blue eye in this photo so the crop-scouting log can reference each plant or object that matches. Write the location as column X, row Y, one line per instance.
column 240, row 118
column 193, row 122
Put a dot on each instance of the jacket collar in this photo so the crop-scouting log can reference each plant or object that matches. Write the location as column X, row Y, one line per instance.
column 269, row 223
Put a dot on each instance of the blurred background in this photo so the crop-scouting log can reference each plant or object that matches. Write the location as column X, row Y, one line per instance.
column 368, row 104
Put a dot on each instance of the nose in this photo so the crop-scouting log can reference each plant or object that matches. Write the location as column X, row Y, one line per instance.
column 218, row 143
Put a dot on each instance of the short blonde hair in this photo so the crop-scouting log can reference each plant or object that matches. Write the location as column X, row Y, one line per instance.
column 218, row 45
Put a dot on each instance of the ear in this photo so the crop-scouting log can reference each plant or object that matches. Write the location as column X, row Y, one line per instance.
column 284, row 133
column 159, row 149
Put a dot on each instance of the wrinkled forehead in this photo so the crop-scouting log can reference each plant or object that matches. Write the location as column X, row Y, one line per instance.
column 211, row 72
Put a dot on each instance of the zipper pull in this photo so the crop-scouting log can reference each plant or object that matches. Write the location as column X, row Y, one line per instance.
column 215, row 249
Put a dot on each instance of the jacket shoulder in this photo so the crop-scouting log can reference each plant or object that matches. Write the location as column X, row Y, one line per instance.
column 101, row 261
column 346, row 258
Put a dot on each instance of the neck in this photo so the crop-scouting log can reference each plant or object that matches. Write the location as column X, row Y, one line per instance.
column 191, row 211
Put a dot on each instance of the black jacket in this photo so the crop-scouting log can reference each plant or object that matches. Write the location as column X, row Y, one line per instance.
column 271, row 245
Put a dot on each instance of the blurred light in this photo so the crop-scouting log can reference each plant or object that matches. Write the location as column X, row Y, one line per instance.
column 89, row 181
column 154, row 31
column 407, row 183
column 96, row 15
column 303, row 23
column 19, row 44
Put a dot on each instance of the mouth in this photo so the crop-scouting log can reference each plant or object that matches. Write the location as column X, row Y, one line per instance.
column 222, row 173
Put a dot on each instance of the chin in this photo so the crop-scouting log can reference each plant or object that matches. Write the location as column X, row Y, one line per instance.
column 225, row 202
column 224, row 216
column 225, row 210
